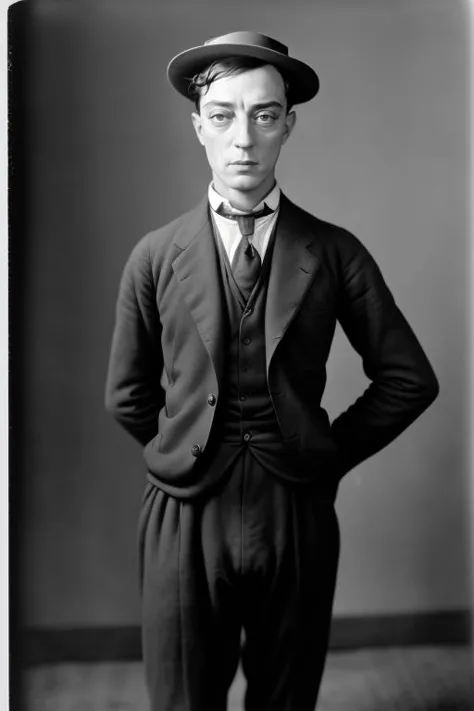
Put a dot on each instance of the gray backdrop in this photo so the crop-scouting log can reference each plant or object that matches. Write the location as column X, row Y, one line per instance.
column 382, row 151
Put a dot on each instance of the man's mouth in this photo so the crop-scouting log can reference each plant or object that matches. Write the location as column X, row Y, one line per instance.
column 244, row 162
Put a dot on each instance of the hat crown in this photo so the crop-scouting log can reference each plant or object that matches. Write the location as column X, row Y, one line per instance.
column 254, row 39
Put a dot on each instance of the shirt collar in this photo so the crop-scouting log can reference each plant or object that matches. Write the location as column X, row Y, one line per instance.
column 272, row 199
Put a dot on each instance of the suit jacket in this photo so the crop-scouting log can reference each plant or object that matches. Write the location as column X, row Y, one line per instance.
column 167, row 355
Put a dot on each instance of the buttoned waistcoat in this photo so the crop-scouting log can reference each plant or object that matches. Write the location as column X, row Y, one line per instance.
column 167, row 356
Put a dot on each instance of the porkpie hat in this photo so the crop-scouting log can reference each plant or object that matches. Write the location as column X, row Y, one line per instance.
column 303, row 80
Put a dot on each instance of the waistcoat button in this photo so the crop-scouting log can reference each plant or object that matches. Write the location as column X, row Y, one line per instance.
column 247, row 437
column 247, row 341
column 211, row 400
column 196, row 450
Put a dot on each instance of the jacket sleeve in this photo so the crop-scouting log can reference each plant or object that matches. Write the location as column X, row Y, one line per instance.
column 133, row 393
column 403, row 383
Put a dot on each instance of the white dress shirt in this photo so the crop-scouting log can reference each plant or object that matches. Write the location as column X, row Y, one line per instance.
column 229, row 231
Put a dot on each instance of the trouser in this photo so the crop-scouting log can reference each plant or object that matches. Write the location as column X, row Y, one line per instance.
column 257, row 555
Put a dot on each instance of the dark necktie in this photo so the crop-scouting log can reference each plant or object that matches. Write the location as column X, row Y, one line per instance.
column 246, row 263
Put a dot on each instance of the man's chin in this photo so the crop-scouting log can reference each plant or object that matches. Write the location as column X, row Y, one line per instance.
column 244, row 183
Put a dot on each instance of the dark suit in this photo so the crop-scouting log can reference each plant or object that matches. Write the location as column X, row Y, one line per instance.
column 167, row 351
column 166, row 372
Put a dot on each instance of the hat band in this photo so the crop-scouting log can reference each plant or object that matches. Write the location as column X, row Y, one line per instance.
column 249, row 38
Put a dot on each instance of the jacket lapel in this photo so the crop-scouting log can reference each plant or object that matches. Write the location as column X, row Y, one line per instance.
column 197, row 271
column 292, row 271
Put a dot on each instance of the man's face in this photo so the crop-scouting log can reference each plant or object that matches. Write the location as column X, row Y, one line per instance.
column 242, row 124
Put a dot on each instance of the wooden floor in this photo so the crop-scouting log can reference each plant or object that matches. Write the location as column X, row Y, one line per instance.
column 410, row 679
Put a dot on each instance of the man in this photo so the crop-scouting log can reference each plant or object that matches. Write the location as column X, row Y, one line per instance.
column 225, row 319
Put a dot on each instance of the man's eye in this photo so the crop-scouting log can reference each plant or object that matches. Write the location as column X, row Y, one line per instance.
column 266, row 118
column 219, row 118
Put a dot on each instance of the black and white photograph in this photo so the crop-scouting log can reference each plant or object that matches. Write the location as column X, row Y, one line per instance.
column 239, row 355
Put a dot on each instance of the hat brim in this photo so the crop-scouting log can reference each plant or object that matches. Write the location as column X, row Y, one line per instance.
column 303, row 80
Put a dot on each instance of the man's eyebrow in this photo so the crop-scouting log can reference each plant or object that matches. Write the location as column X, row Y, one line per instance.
column 255, row 107
column 268, row 105
column 224, row 104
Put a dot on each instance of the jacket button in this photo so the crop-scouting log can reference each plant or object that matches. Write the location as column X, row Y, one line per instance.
column 247, row 341
column 247, row 437
column 196, row 450
column 211, row 400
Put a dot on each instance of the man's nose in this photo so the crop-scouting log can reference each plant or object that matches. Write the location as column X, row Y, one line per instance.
column 243, row 134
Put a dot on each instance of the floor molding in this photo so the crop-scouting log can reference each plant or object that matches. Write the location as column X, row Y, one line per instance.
column 438, row 628
column 94, row 644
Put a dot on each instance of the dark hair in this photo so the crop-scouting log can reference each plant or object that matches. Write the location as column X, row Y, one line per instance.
column 229, row 66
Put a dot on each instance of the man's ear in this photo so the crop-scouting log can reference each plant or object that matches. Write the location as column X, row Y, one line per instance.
column 197, row 123
column 290, row 121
